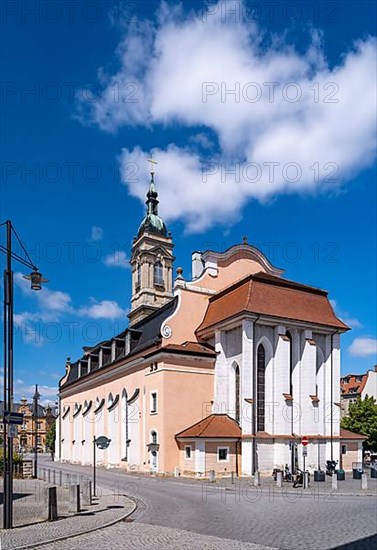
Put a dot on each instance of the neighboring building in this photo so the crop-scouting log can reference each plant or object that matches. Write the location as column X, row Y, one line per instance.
column 225, row 372
column 25, row 440
column 353, row 386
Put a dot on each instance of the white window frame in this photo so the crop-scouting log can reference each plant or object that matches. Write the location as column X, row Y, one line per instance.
column 188, row 457
column 218, row 454
column 151, row 411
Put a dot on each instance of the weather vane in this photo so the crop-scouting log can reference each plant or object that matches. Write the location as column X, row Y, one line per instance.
column 153, row 162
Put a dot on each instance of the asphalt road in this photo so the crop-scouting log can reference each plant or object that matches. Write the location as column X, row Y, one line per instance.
column 262, row 516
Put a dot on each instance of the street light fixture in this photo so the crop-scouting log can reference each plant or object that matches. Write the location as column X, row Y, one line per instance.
column 36, row 397
column 36, row 280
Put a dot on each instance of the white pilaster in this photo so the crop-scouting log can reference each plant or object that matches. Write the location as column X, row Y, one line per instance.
column 308, row 362
column 281, row 363
column 246, row 390
column 221, row 375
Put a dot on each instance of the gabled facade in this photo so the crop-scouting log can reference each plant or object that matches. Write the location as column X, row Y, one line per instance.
column 253, row 356
column 27, row 435
column 354, row 386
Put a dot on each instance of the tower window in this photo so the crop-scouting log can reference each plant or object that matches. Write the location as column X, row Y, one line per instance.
column 138, row 277
column 158, row 274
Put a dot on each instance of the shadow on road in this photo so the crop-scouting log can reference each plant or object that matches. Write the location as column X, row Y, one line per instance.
column 360, row 544
column 16, row 496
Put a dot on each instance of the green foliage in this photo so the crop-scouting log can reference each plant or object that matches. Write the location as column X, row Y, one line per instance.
column 50, row 437
column 17, row 459
column 362, row 419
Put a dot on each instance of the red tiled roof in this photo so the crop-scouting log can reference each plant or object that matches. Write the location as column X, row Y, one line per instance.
column 214, row 426
column 188, row 348
column 266, row 294
column 346, row 434
column 348, row 384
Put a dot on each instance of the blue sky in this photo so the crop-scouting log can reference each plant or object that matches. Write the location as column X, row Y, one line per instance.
column 114, row 82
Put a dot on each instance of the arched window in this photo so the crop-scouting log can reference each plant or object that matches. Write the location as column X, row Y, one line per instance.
column 261, row 376
column 289, row 336
column 158, row 274
column 138, row 276
column 154, row 437
column 237, row 391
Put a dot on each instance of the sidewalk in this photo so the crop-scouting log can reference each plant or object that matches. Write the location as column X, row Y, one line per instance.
column 348, row 487
column 30, row 512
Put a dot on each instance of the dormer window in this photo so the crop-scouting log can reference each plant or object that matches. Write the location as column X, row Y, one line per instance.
column 158, row 274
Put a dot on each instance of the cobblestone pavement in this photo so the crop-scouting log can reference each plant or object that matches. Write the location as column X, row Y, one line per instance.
column 140, row 536
column 105, row 510
column 29, row 501
column 265, row 516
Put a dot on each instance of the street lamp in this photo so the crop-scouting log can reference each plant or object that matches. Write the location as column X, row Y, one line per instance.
column 36, row 280
column 36, row 397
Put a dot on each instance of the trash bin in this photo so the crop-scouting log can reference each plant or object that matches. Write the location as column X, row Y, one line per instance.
column 340, row 475
column 319, row 475
column 356, row 473
column 373, row 473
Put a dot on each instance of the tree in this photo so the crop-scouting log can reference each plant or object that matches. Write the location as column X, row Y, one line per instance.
column 362, row 419
column 50, row 438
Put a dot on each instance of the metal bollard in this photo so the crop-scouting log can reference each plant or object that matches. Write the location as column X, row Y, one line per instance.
column 212, row 476
column 74, row 498
column 232, row 478
column 279, row 479
column 60, row 478
column 256, row 479
column 305, row 480
column 54, row 477
column 49, row 475
column 364, row 482
column 334, row 482
column 52, row 504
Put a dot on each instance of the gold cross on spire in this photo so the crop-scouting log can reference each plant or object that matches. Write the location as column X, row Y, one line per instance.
column 153, row 162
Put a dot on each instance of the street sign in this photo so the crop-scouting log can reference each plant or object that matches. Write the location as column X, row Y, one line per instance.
column 304, row 451
column 13, row 418
column 102, row 442
column 304, row 441
column 12, row 431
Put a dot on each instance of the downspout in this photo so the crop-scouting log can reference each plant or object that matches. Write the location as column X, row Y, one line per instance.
column 253, row 470
column 60, row 428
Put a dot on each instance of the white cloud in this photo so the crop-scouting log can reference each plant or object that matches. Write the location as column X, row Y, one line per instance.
column 361, row 347
column 345, row 316
column 107, row 309
column 162, row 84
column 117, row 259
column 52, row 303
column 96, row 233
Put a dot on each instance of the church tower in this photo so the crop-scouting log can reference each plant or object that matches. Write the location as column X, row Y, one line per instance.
column 152, row 262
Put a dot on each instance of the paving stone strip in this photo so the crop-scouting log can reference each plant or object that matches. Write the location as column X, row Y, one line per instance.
column 105, row 511
column 141, row 536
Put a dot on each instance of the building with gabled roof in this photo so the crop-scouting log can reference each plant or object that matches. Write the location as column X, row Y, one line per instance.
column 226, row 371
column 357, row 386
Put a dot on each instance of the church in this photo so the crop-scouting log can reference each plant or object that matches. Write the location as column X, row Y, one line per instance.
column 226, row 371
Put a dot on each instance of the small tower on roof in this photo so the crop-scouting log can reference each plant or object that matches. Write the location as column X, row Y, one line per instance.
column 151, row 260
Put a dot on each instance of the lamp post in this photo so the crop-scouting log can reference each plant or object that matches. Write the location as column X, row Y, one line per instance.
column 36, row 397
column 36, row 279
